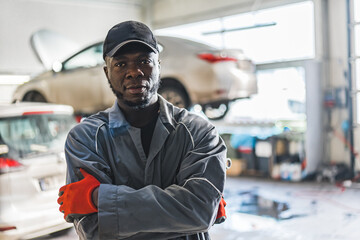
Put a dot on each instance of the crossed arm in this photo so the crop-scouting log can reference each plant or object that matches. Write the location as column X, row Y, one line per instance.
column 149, row 212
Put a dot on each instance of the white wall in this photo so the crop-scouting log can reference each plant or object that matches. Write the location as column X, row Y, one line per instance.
column 82, row 21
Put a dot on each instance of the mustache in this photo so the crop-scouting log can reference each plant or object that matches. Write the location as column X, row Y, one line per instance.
column 152, row 89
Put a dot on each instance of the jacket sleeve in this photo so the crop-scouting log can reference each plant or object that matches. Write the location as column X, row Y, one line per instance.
column 81, row 152
column 187, row 207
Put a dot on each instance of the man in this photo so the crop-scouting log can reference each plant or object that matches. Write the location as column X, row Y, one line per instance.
column 142, row 169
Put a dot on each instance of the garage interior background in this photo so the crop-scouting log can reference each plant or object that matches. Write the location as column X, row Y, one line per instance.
column 329, row 70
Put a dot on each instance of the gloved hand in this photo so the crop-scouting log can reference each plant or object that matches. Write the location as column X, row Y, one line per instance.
column 221, row 215
column 75, row 199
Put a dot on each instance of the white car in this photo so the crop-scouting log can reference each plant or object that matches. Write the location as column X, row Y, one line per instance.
column 32, row 168
column 191, row 73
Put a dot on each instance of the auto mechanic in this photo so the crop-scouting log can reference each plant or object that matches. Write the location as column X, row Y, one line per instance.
column 142, row 169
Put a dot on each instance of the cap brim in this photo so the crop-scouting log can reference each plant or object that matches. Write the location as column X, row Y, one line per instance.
column 117, row 48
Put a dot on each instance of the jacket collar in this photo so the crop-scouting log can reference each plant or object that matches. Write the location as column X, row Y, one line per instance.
column 166, row 111
column 117, row 118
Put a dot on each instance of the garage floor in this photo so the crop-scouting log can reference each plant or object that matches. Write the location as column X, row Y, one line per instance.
column 260, row 208
column 266, row 209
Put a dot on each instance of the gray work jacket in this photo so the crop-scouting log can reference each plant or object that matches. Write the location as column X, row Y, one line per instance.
column 173, row 193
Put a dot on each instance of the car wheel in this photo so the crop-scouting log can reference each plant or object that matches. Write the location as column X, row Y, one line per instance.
column 34, row 97
column 216, row 112
column 175, row 94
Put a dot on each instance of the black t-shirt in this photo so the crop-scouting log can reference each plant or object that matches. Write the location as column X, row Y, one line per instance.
column 147, row 133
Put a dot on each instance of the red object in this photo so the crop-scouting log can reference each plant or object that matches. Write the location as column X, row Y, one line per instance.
column 37, row 113
column 8, row 164
column 7, row 228
column 245, row 150
column 78, row 118
column 221, row 215
column 303, row 164
column 211, row 58
column 76, row 198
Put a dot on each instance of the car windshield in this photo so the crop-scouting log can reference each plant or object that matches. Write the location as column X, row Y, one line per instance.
column 33, row 134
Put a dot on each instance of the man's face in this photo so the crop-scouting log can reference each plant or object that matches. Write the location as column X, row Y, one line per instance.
column 134, row 75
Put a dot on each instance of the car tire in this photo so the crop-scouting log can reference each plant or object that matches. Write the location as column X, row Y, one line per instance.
column 34, row 97
column 174, row 93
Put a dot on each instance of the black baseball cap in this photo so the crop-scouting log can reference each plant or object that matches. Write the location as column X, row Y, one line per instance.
column 128, row 32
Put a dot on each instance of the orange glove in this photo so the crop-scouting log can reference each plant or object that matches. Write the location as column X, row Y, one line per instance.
column 221, row 215
column 75, row 199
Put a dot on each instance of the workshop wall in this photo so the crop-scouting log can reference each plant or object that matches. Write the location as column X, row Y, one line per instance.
column 83, row 21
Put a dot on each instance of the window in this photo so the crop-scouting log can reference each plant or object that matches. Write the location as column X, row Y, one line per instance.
column 90, row 57
column 278, row 34
column 27, row 135
column 281, row 96
column 357, row 10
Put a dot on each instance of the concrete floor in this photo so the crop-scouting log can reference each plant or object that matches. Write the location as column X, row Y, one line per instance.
column 259, row 208
column 296, row 211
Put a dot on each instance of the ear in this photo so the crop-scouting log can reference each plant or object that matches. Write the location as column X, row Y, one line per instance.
column 106, row 71
column 159, row 64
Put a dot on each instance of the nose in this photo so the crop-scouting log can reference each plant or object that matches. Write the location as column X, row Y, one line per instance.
column 133, row 72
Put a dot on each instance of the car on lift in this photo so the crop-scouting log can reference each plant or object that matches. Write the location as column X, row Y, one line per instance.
column 192, row 73
column 32, row 168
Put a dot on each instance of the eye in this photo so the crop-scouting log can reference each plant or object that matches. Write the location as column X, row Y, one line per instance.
column 145, row 61
column 119, row 64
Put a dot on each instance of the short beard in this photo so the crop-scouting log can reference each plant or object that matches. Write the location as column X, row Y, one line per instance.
column 143, row 103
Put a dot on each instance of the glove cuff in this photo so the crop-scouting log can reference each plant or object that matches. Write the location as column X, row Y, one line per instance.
column 90, row 202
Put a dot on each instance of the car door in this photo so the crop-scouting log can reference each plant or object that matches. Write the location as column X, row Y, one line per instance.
column 80, row 82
